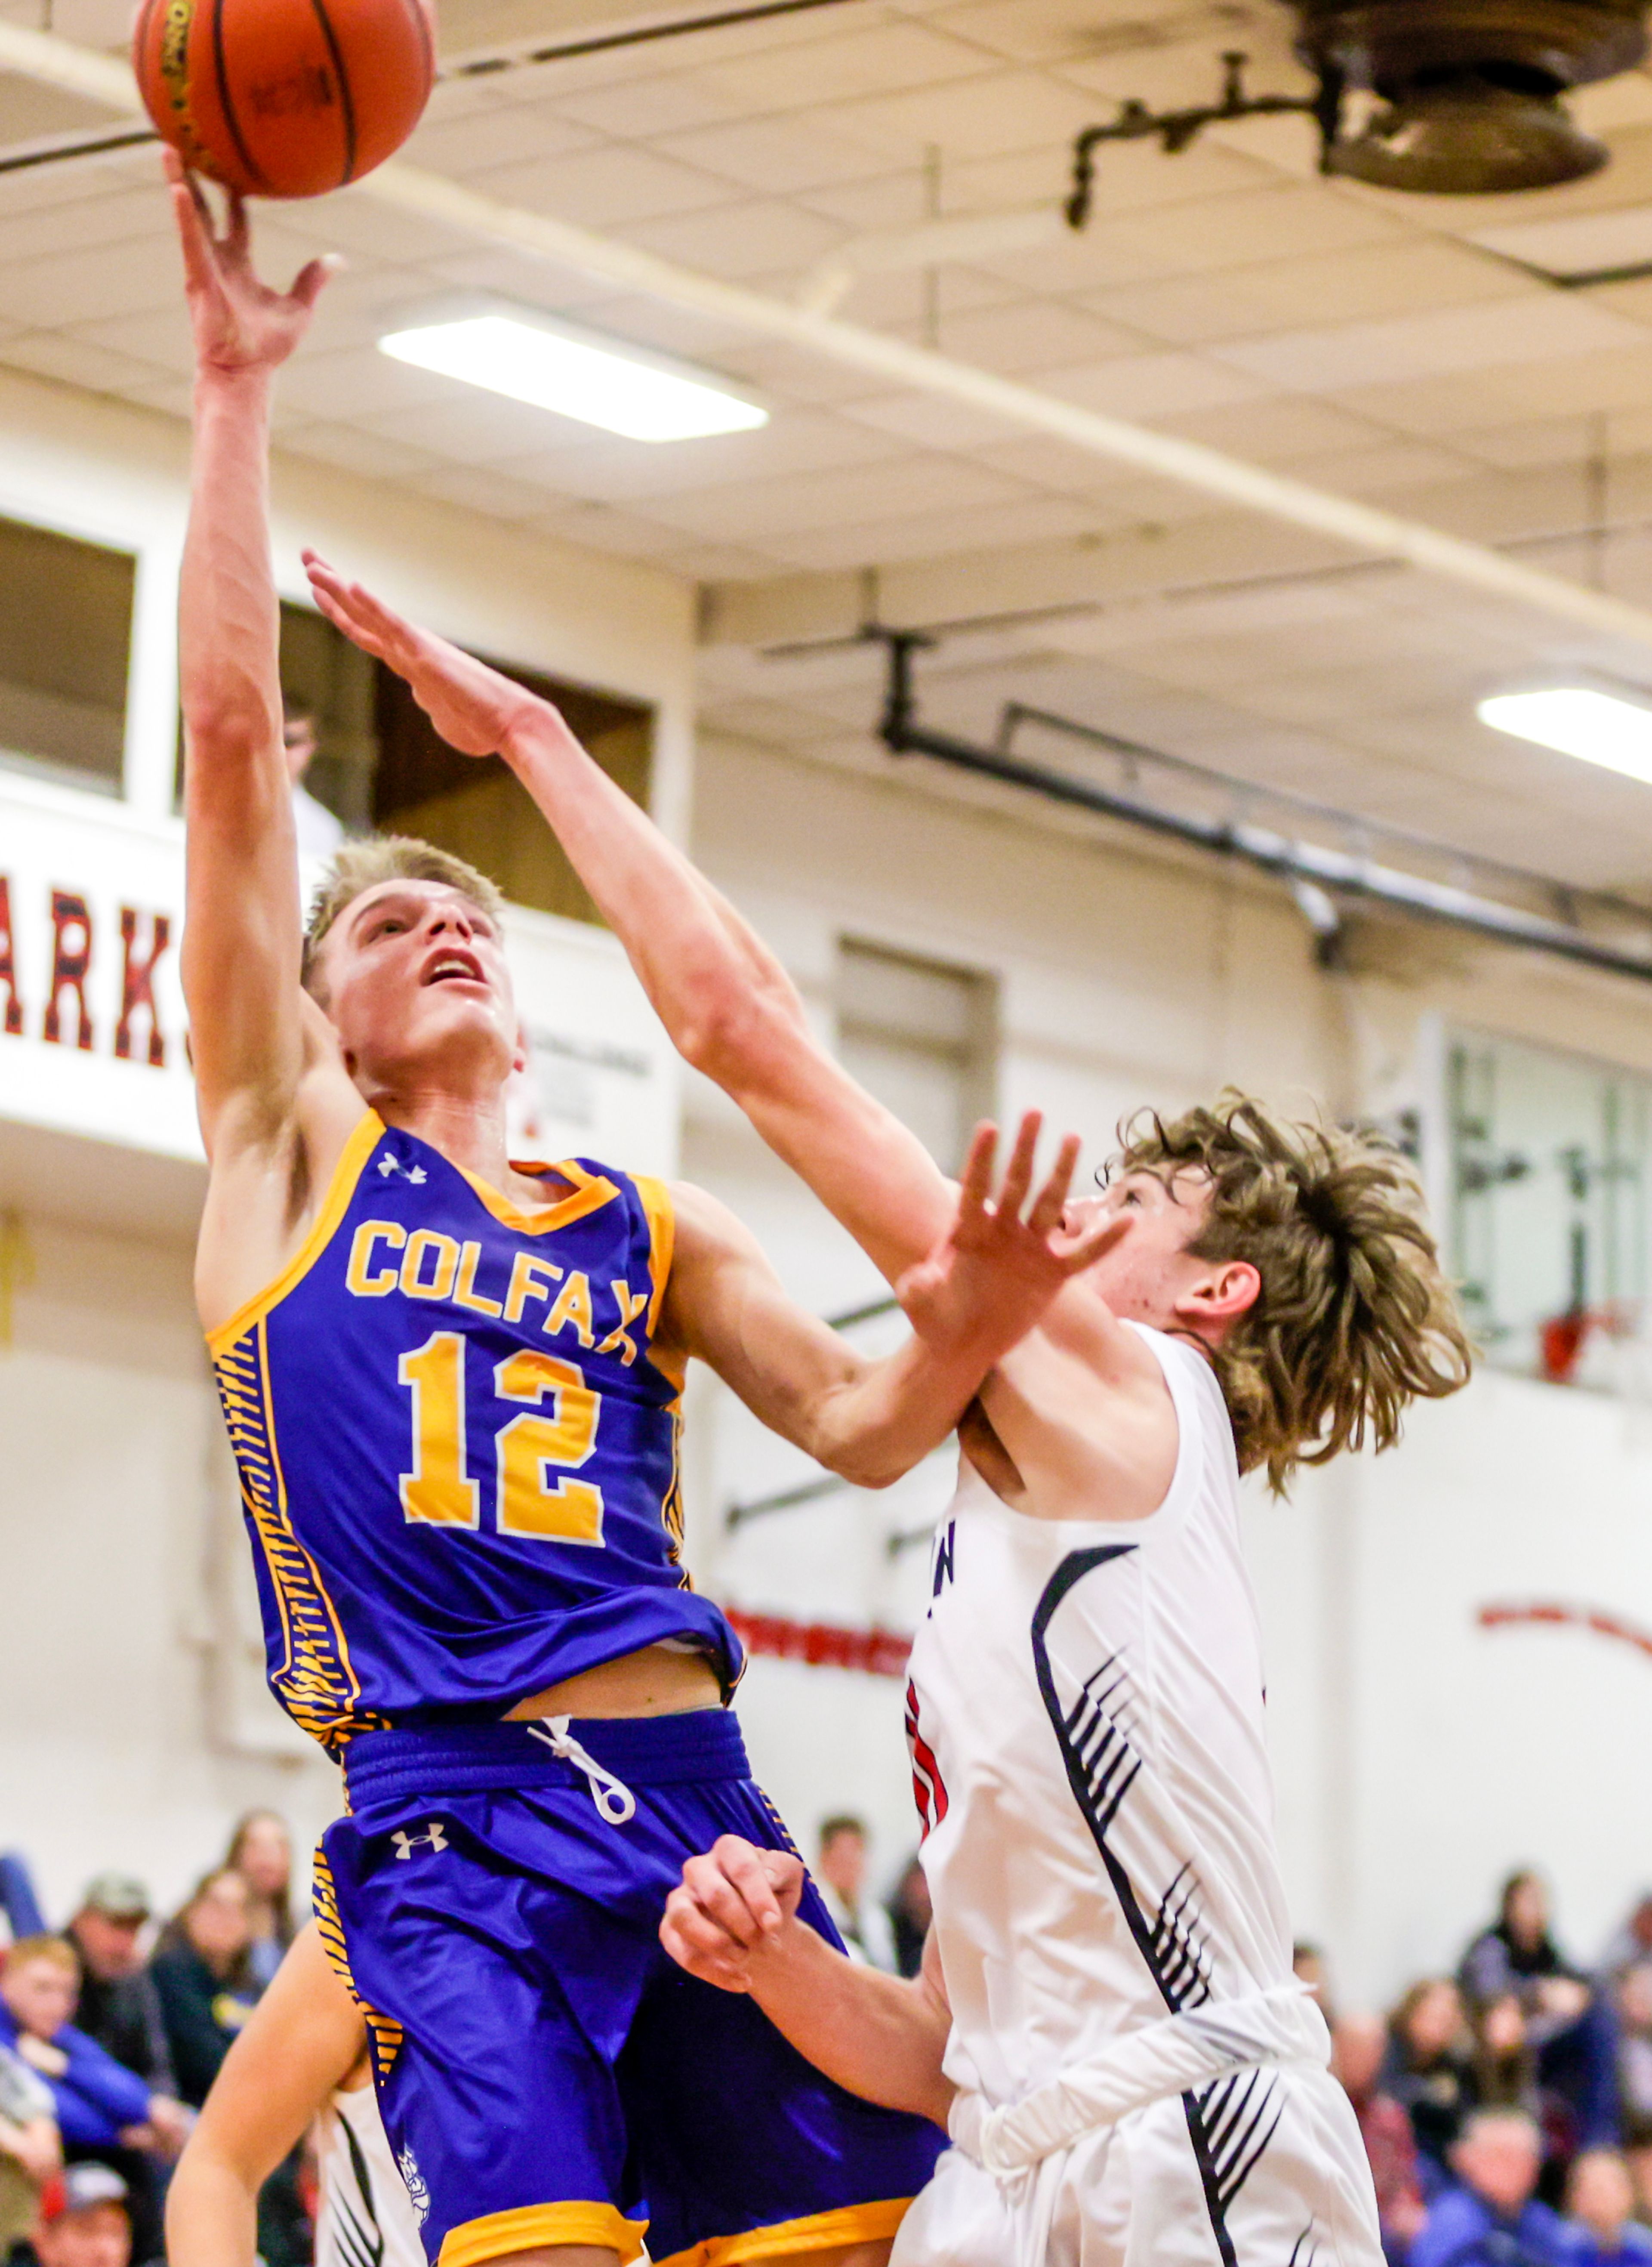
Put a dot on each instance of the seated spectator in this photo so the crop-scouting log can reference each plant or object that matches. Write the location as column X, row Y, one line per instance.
column 1634, row 2053
column 202, row 1972
column 840, row 1872
column 119, row 2005
column 261, row 1852
column 910, row 1912
column 1358, row 2045
column 84, row 2220
column 1573, row 2032
column 1490, row 2217
column 96, row 2102
column 30, row 2149
column 1600, row 2206
column 1430, row 2072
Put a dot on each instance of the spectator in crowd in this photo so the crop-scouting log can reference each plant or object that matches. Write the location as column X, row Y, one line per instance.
column 261, row 1852
column 320, row 833
column 1634, row 1998
column 30, row 2149
column 202, row 1971
column 120, row 2007
column 1572, row 2032
column 1600, row 2201
column 909, row 1912
column 101, row 2107
column 1489, row 2216
column 84, row 2220
column 1358, row 2047
column 1430, row 2072
column 1308, row 1966
column 840, row 1872
column 1638, row 2157
column 1631, row 1943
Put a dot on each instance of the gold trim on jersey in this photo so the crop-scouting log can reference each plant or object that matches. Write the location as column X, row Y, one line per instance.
column 591, row 1193
column 334, row 1205
column 532, row 2225
column 385, row 2035
column 818, row 2231
column 316, row 1681
column 661, row 1214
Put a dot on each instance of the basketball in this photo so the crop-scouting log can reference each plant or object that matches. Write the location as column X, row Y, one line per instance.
column 284, row 98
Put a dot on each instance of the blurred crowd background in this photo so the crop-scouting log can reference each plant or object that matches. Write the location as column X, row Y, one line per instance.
column 1506, row 2107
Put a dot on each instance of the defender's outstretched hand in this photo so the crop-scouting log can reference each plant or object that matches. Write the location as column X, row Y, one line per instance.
column 239, row 323
column 472, row 705
column 730, row 1903
column 996, row 1270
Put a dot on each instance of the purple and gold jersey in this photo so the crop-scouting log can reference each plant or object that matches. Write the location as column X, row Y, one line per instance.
column 458, row 1448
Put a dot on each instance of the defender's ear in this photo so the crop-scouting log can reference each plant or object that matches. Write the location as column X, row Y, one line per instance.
column 1215, row 1303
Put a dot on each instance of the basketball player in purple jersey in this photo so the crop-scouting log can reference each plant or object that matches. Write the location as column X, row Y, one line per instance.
column 453, row 1386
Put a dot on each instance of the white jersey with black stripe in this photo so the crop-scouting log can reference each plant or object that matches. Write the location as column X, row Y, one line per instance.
column 1086, row 1715
column 363, row 2218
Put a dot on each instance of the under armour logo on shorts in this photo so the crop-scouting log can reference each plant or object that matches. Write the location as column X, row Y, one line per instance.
column 407, row 1844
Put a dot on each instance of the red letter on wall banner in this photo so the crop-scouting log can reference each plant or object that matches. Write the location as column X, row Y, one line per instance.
column 71, row 957
column 8, row 964
column 137, row 985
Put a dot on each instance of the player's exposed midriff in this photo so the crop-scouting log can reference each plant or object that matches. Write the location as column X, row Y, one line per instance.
column 656, row 1680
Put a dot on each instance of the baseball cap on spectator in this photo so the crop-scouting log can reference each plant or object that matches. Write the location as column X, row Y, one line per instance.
column 78, row 2188
column 117, row 1897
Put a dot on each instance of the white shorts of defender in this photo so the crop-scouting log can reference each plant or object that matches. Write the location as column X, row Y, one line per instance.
column 1265, row 2169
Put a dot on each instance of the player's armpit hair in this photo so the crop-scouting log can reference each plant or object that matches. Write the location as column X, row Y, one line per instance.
column 1355, row 1317
column 362, row 866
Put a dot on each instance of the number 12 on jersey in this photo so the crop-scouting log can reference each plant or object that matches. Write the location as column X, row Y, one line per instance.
column 440, row 1492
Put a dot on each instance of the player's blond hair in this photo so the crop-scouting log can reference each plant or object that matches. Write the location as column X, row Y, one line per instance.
column 1355, row 1317
column 362, row 866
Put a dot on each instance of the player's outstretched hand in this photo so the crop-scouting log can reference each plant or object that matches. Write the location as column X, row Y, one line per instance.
column 239, row 323
column 472, row 705
column 996, row 1270
column 730, row 1904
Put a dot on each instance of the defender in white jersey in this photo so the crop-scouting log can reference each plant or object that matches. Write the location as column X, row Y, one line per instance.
column 1106, row 2014
column 301, row 2059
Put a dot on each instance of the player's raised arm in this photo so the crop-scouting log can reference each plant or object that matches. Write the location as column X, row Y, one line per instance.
column 729, row 1005
column 989, row 1280
column 244, row 925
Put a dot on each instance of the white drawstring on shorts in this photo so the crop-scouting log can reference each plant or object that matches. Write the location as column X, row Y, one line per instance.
column 614, row 1800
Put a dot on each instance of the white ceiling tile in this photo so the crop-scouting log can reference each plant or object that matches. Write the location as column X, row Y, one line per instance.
column 1534, row 326
column 985, row 115
column 639, row 110
column 1385, row 470
column 603, row 187
column 369, row 456
column 841, row 67
column 101, row 280
column 475, row 489
column 739, row 510
column 504, row 133
column 76, row 361
column 1035, row 334
column 739, row 240
column 1151, row 385
column 777, row 156
column 929, row 423
column 930, row 534
column 1276, row 431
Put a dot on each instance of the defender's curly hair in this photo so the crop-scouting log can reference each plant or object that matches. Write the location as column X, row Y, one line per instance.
column 358, row 867
column 1355, row 1317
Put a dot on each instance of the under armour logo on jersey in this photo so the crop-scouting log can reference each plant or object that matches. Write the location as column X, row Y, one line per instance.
column 407, row 1844
column 387, row 1165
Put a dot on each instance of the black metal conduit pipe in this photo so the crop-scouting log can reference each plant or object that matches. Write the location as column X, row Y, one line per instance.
column 1260, row 847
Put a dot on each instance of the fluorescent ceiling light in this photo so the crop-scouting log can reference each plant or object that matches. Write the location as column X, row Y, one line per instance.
column 1576, row 721
column 578, row 375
